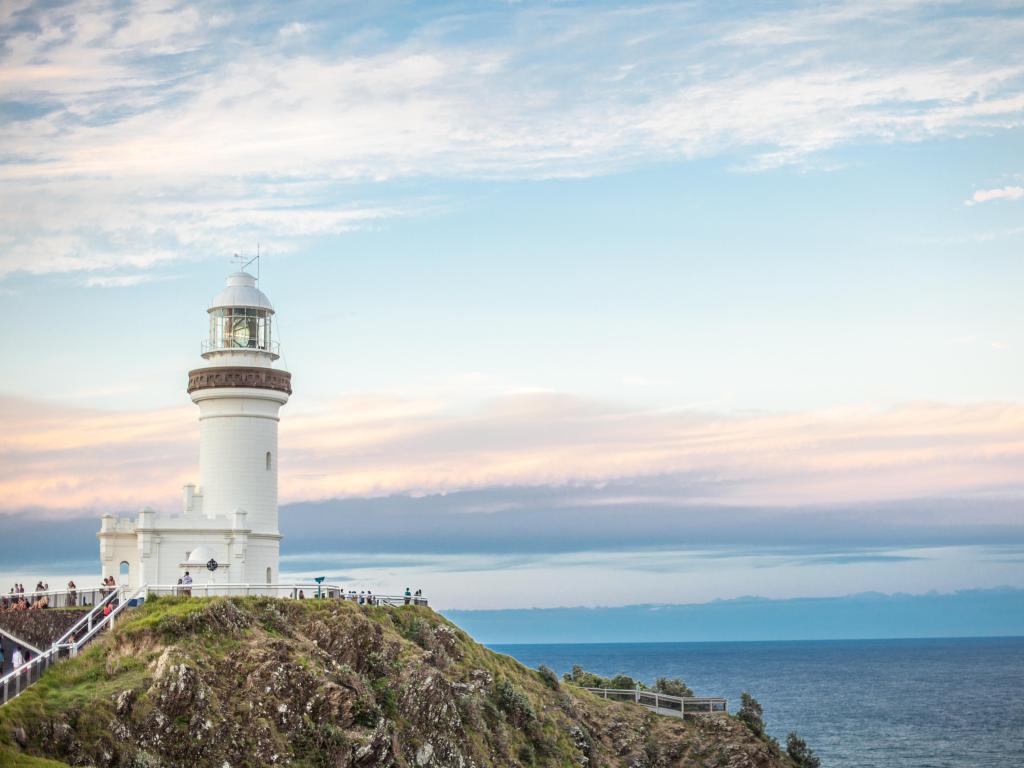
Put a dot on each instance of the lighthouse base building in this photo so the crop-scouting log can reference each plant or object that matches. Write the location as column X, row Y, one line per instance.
column 227, row 529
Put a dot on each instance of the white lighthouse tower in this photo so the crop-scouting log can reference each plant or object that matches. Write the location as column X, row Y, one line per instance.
column 227, row 531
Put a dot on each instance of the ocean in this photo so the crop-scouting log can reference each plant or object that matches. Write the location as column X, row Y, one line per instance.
column 934, row 703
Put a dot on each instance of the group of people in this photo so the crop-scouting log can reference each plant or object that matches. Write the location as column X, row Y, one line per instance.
column 363, row 598
column 15, row 603
column 18, row 600
column 19, row 589
column 185, row 585
column 366, row 597
column 109, row 585
column 18, row 658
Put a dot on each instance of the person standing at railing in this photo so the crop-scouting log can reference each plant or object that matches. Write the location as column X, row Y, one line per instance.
column 17, row 658
column 72, row 593
column 186, row 582
column 408, row 596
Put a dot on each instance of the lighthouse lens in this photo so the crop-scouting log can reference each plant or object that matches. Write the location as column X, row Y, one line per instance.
column 240, row 332
column 233, row 327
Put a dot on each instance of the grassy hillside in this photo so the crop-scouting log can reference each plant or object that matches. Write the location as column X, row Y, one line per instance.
column 254, row 682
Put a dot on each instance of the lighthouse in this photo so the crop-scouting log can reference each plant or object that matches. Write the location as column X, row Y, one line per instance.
column 227, row 530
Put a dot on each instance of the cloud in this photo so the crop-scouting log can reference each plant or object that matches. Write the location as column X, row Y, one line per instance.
column 120, row 281
column 148, row 132
column 61, row 458
column 1000, row 193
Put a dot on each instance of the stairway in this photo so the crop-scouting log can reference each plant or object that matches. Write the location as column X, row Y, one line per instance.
column 15, row 682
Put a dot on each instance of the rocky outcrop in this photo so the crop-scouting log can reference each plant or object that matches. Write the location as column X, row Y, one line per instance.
column 257, row 682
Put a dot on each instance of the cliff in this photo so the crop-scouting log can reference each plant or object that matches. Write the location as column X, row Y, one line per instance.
column 254, row 682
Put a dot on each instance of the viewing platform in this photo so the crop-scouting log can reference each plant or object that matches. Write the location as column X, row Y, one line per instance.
column 664, row 704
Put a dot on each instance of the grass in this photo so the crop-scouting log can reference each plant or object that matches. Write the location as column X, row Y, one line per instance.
column 12, row 758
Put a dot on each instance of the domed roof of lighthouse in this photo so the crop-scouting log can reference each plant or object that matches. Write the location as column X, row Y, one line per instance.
column 241, row 291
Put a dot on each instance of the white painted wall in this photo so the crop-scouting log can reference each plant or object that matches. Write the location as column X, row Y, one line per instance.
column 237, row 428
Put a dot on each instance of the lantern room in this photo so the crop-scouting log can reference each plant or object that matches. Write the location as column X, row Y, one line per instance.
column 240, row 319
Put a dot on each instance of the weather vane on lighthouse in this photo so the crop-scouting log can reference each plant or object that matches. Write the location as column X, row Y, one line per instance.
column 244, row 262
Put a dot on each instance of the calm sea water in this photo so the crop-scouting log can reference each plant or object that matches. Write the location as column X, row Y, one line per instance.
column 893, row 703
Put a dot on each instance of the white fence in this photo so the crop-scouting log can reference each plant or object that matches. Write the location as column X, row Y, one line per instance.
column 59, row 598
column 662, row 703
column 297, row 591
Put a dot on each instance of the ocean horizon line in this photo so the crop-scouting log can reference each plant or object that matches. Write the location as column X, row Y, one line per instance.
column 830, row 640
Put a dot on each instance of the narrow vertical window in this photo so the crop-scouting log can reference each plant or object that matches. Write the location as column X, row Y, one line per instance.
column 268, row 575
column 268, row 459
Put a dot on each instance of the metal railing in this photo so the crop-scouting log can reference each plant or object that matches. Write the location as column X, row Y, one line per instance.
column 87, row 621
column 664, row 704
column 306, row 591
column 15, row 682
column 273, row 347
column 58, row 598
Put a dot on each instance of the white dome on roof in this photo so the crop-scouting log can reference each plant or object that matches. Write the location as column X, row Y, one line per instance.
column 199, row 556
column 241, row 291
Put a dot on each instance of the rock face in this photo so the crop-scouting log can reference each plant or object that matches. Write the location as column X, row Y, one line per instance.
column 256, row 682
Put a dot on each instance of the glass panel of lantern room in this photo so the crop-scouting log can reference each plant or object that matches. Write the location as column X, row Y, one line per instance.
column 264, row 330
column 215, row 329
column 252, row 328
column 239, row 329
column 221, row 328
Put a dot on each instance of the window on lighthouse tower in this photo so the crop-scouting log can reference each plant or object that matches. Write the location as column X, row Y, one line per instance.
column 268, row 459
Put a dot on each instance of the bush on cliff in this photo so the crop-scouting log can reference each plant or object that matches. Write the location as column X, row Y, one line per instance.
column 751, row 714
column 798, row 751
column 672, row 686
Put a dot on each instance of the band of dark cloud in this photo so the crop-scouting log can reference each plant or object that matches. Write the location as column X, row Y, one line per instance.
column 536, row 520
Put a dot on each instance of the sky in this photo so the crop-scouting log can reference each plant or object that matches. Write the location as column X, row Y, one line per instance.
column 584, row 303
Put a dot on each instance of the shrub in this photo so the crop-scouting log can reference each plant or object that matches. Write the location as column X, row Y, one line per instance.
column 515, row 704
column 622, row 681
column 365, row 712
column 800, row 753
column 548, row 676
column 579, row 676
column 751, row 714
column 672, row 686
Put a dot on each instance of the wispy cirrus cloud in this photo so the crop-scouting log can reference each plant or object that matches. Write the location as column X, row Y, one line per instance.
column 62, row 458
column 158, row 130
column 120, row 281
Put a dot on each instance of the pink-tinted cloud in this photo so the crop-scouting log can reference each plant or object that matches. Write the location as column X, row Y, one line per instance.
column 61, row 458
